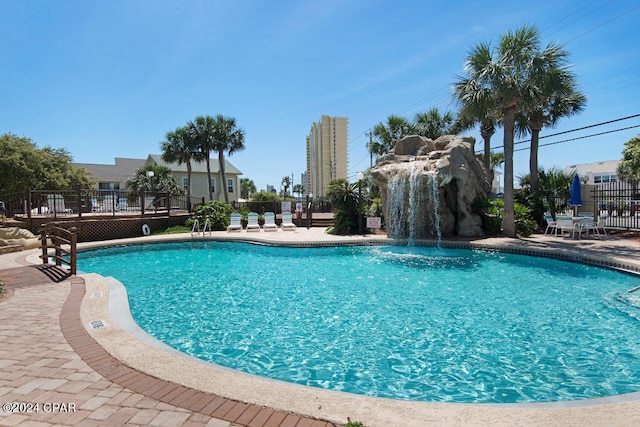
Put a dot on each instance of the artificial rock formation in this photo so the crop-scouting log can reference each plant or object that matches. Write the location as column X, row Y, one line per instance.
column 428, row 187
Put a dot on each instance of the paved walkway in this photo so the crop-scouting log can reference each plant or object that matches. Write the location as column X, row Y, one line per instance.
column 55, row 373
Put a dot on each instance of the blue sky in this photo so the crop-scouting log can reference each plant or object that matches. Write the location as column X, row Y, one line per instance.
column 109, row 79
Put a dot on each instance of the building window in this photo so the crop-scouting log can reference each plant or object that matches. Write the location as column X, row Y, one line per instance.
column 213, row 185
column 229, row 185
column 614, row 178
column 109, row 186
column 185, row 183
column 597, row 179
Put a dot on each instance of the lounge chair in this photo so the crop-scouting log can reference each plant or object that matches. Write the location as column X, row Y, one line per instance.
column 149, row 203
column 235, row 223
column 270, row 222
column 56, row 205
column 551, row 223
column 287, row 223
column 123, row 205
column 252, row 222
column 95, row 206
column 109, row 203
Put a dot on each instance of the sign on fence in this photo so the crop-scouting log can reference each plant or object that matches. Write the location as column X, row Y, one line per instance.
column 286, row 206
column 374, row 222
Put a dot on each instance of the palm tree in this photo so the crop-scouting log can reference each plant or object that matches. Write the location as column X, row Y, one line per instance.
column 432, row 124
column 387, row 134
column 201, row 131
column 161, row 182
column 180, row 148
column 501, row 75
column 247, row 188
column 298, row 189
column 286, row 183
column 227, row 137
column 554, row 95
column 480, row 111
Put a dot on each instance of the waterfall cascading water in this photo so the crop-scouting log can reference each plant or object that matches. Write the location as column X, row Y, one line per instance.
column 395, row 207
column 412, row 206
column 415, row 215
column 430, row 187
column 435, row 201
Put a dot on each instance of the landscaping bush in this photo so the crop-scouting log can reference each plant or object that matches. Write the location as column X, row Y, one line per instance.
column 216, row 212
column 494, row 214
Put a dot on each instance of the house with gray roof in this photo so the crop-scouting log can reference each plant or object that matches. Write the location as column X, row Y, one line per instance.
column 199, row 186
column 113, row 177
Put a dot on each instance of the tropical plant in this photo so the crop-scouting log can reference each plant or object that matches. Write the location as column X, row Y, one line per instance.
column 387, row 134
column 247, row 188
column 629, row 167
column 478, row 111
column 162, row 181
column 501, row 76
column 217, row 212
column 227, row 137
column 201, row 131
column 493, row 212
column 298, row 189
column 286, row 183
column 553, row 191
column 552, row 94
column 345, row 200
column 433, row 124
column 180, row 147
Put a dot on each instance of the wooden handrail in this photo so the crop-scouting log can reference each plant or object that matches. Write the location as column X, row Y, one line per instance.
column 59, row 237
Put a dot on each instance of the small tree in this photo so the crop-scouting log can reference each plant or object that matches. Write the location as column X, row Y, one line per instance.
column 629, row 168
column 345, row 200
column 217, row 212
column 162, row 181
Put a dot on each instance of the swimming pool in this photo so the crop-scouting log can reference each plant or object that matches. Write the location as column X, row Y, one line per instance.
column 406, row 323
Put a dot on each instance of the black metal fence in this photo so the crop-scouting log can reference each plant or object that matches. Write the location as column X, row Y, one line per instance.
column 57, row 203
column 620, row 202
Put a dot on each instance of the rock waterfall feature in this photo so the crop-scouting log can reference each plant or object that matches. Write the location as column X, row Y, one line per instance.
column 428, row 188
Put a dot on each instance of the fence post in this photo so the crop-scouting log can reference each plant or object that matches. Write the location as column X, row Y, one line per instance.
column 74, row 251
column 45, row 252
column 79, row 198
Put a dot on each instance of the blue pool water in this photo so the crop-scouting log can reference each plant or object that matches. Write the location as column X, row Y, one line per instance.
column 412, row 323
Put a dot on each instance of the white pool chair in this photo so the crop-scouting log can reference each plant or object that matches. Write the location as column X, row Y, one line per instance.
column 270, row 222
column 235, row 222
column 252, row 222
column 287, row 223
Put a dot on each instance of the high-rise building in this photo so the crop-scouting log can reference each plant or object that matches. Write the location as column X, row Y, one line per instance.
column 326, row 153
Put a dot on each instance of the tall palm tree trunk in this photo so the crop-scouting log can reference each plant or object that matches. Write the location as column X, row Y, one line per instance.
column 223, row 175
column 508, row 224
column 209, row 177
column 533, row 161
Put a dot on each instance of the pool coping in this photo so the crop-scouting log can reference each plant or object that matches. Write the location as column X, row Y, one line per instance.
column 137, row 350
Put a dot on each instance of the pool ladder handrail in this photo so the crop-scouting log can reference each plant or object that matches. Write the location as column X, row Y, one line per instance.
column 196, row 227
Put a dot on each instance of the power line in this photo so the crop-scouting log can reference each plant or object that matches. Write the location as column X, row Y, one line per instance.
column 577, row 129
column 580, row 137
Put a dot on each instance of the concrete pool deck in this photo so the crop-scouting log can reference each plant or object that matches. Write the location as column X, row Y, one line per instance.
column 61, row 343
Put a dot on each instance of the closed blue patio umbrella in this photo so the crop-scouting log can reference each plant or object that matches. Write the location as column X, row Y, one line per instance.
column 575, row 198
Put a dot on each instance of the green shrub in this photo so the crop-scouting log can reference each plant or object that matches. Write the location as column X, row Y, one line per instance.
column 493, row 214
column 216, row 212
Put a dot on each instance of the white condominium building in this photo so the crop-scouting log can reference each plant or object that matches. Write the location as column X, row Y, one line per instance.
column 326, row 153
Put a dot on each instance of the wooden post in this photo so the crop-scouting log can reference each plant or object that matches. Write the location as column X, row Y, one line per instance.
column 45, row 254
column 74, row 251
